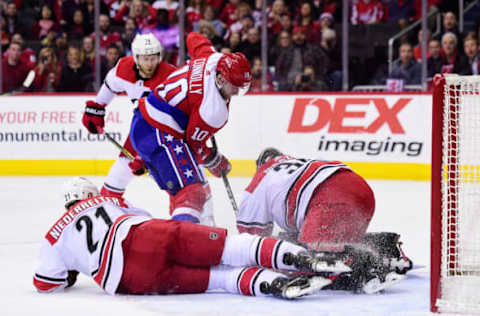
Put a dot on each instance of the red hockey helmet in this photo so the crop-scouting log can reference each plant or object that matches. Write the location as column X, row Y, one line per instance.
column 235, row 68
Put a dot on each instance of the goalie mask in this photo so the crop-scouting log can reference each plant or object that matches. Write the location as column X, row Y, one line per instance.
column 146, row 44
column 77, row 189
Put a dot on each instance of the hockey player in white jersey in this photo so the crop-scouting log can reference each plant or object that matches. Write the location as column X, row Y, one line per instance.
column 322, row 204
column 126, row 251
column 136, row 76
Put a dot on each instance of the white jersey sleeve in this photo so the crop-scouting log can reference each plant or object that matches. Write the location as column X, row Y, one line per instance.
column 281, row 191
column 88, row 239
column 51, row 274
column 109, row 88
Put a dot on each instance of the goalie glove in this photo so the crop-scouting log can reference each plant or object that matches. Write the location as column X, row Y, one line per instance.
column 137, row 166
column 217, row 164
column 94, row 117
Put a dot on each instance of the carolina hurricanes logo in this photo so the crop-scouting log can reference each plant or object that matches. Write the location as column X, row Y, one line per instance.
column 229, row 62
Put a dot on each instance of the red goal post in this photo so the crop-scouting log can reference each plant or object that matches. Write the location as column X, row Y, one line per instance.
column 455, row 195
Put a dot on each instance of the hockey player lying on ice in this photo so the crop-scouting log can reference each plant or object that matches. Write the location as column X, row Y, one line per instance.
column 322, row 204
column 126, row 251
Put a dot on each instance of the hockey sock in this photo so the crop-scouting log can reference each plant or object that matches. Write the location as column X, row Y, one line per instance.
column 246, row 249
column 245, row 281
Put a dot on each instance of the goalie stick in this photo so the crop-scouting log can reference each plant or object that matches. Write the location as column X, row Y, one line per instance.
column 226, row 182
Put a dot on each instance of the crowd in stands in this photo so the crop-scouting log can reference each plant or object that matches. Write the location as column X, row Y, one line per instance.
column 55, row 39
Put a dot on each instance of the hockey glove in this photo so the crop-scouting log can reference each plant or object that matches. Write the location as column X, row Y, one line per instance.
column 137, row 166
column 217, row 164
column 94, row 117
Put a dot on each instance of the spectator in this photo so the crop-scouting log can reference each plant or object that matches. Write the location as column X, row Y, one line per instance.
column 307, row 81
column 14, row 71
column 244, row 20
column 78, row 29
column 115, row 5
column 292, row 62
column 193, row 13
column 206, row 28
column 435, row 61
column 28, row 55
column 228, row 14
column 284, row 42
column 333, row 73
column 61, row 45
column 326, row 21
column 88, row 50
column 406, row 67
column 274, row 19
column 256, row 85
column 12, row 21
column 366, row 12
column 417, row 50
column 128, row 35
column 306, row 19
column 142, row 12
column 76, row 75
column 251, row 47
column 112, row 56
column 107, row 36
column 47, row 71
column 453, row 60
column 169, row 5
column 286, row 22
column 470, row 44
column 334, row 7
column 88, row 9
column 432, row 5
column 399, row 11
column 45, row 24
column 449, row 25
column 234, row 42
column 209, row 15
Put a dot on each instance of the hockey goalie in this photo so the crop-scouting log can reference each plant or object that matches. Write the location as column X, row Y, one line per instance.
column 323, row 205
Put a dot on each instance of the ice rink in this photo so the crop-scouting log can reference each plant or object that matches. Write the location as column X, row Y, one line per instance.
column 30, row 205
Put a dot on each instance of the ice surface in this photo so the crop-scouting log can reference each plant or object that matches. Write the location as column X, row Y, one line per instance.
column 30, row 205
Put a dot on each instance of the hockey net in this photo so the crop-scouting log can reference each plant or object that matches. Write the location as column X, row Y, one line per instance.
column 455, row 230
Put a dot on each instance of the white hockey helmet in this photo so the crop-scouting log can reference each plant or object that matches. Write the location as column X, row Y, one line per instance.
column 145, row 44
column 78, row 188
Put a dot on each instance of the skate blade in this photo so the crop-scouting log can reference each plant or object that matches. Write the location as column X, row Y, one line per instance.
column 314, row 284
column 375, row 285
column 338, row 267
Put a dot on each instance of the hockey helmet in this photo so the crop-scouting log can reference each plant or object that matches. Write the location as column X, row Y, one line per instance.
column 145, row 44
column 235, row 68
column 78, row 188
column 266, row 155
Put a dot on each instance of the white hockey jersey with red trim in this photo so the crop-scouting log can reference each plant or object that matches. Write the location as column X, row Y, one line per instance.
column 87, row 238
column 188, row 105
column 124, row 77
column 280, row 192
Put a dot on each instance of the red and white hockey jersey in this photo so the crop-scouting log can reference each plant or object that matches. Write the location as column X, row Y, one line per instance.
column 124, row 77
column 87, row 238
column 367, row 13
column 188, row 105
column 280, row 192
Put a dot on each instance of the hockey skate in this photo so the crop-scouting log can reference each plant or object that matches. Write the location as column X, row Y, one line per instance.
column 290, row 288
column 388, row 247
column 316, row 262
column 266, row 154
column 368, row 273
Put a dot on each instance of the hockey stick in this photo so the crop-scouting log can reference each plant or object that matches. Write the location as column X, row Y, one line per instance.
column 226, row 182
column 120, row 147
